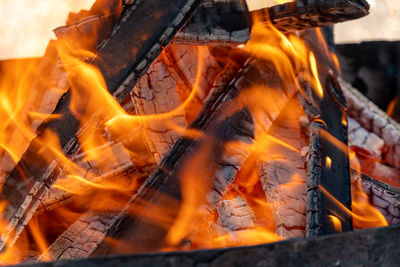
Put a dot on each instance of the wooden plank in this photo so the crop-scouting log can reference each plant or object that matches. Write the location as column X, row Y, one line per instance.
column 30, row 179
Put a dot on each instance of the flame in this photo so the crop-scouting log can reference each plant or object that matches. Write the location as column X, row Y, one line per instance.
column 392, row 106
column 105, row 125
column 364, row 214
column 328, row 162
column 336, row 223
column 313, row 65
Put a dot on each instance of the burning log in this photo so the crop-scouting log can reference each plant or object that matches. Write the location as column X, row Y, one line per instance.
column 234, row 215
column 43, row 98
column 360, row 137
column 82, row 238
column 64, row 189
column 228, row 22
column 328, row 164
column 299, row 15
column 384, row 197
column 374, row 120
column 217, row 143
column 283, row 174
column 173, row 79
column 217, row 22
column 236, row 127
column 28, row 182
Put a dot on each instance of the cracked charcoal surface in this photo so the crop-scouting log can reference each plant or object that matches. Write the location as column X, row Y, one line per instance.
column 235, row 214
column 116, row 161
column 119, row 73
column 382, row 196
column 82, row 238
column 360, row 137
column 165, row 87
column 374, row 120
column 233, row 127
column 283, row 175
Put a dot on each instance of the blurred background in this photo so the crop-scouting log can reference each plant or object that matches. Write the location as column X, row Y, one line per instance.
column 26, row 25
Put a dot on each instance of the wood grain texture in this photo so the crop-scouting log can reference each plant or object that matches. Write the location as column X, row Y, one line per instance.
column 28, row 182
column 328, row 129
column 283, row 173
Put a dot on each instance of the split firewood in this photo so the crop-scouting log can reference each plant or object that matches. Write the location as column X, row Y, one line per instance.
column 367, row 163
column 212, row 121
column 282, row 172
column 222, row 22
column 384, row 197
column 327, row 111
column 59, row 244
column 217, row 22
column 28, row 182
column 235, row 214
column 228, row 22
column 40, row 102
column 360, row 137
column 235, row 217
column 170, row 80
column 23, row 198
column 82, row 238
column 221, row 183
column 176, row 64
column 367, row 148
column 374, row 120
column 153, row 95
column 115, row 162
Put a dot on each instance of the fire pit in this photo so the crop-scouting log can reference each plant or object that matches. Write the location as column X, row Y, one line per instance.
column 169, row 126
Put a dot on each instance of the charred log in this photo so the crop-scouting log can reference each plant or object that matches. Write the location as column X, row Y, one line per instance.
column 217, row 22
column 300, row 15
column 82, row 238
column 374, row 120
column 30, row 179
column 384, row 197
column 223, row 120
column 283, row 174
column 225, row 22
column 166, row 86
column 328, row 129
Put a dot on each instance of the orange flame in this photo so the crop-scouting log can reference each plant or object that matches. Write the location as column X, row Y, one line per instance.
column 104, row 123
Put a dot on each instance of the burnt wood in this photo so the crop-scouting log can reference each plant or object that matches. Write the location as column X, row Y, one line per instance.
column 384, row 197
column 374, row 120
column 370, row 247
column 283, row 174
column 217, row 22
column 221, row 120
column 155, row 23
column 226, row 22
column 328, row 138
column 163, row 185
column 300, row 15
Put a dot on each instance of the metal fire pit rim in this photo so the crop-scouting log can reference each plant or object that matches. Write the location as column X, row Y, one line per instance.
column 248, row 254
